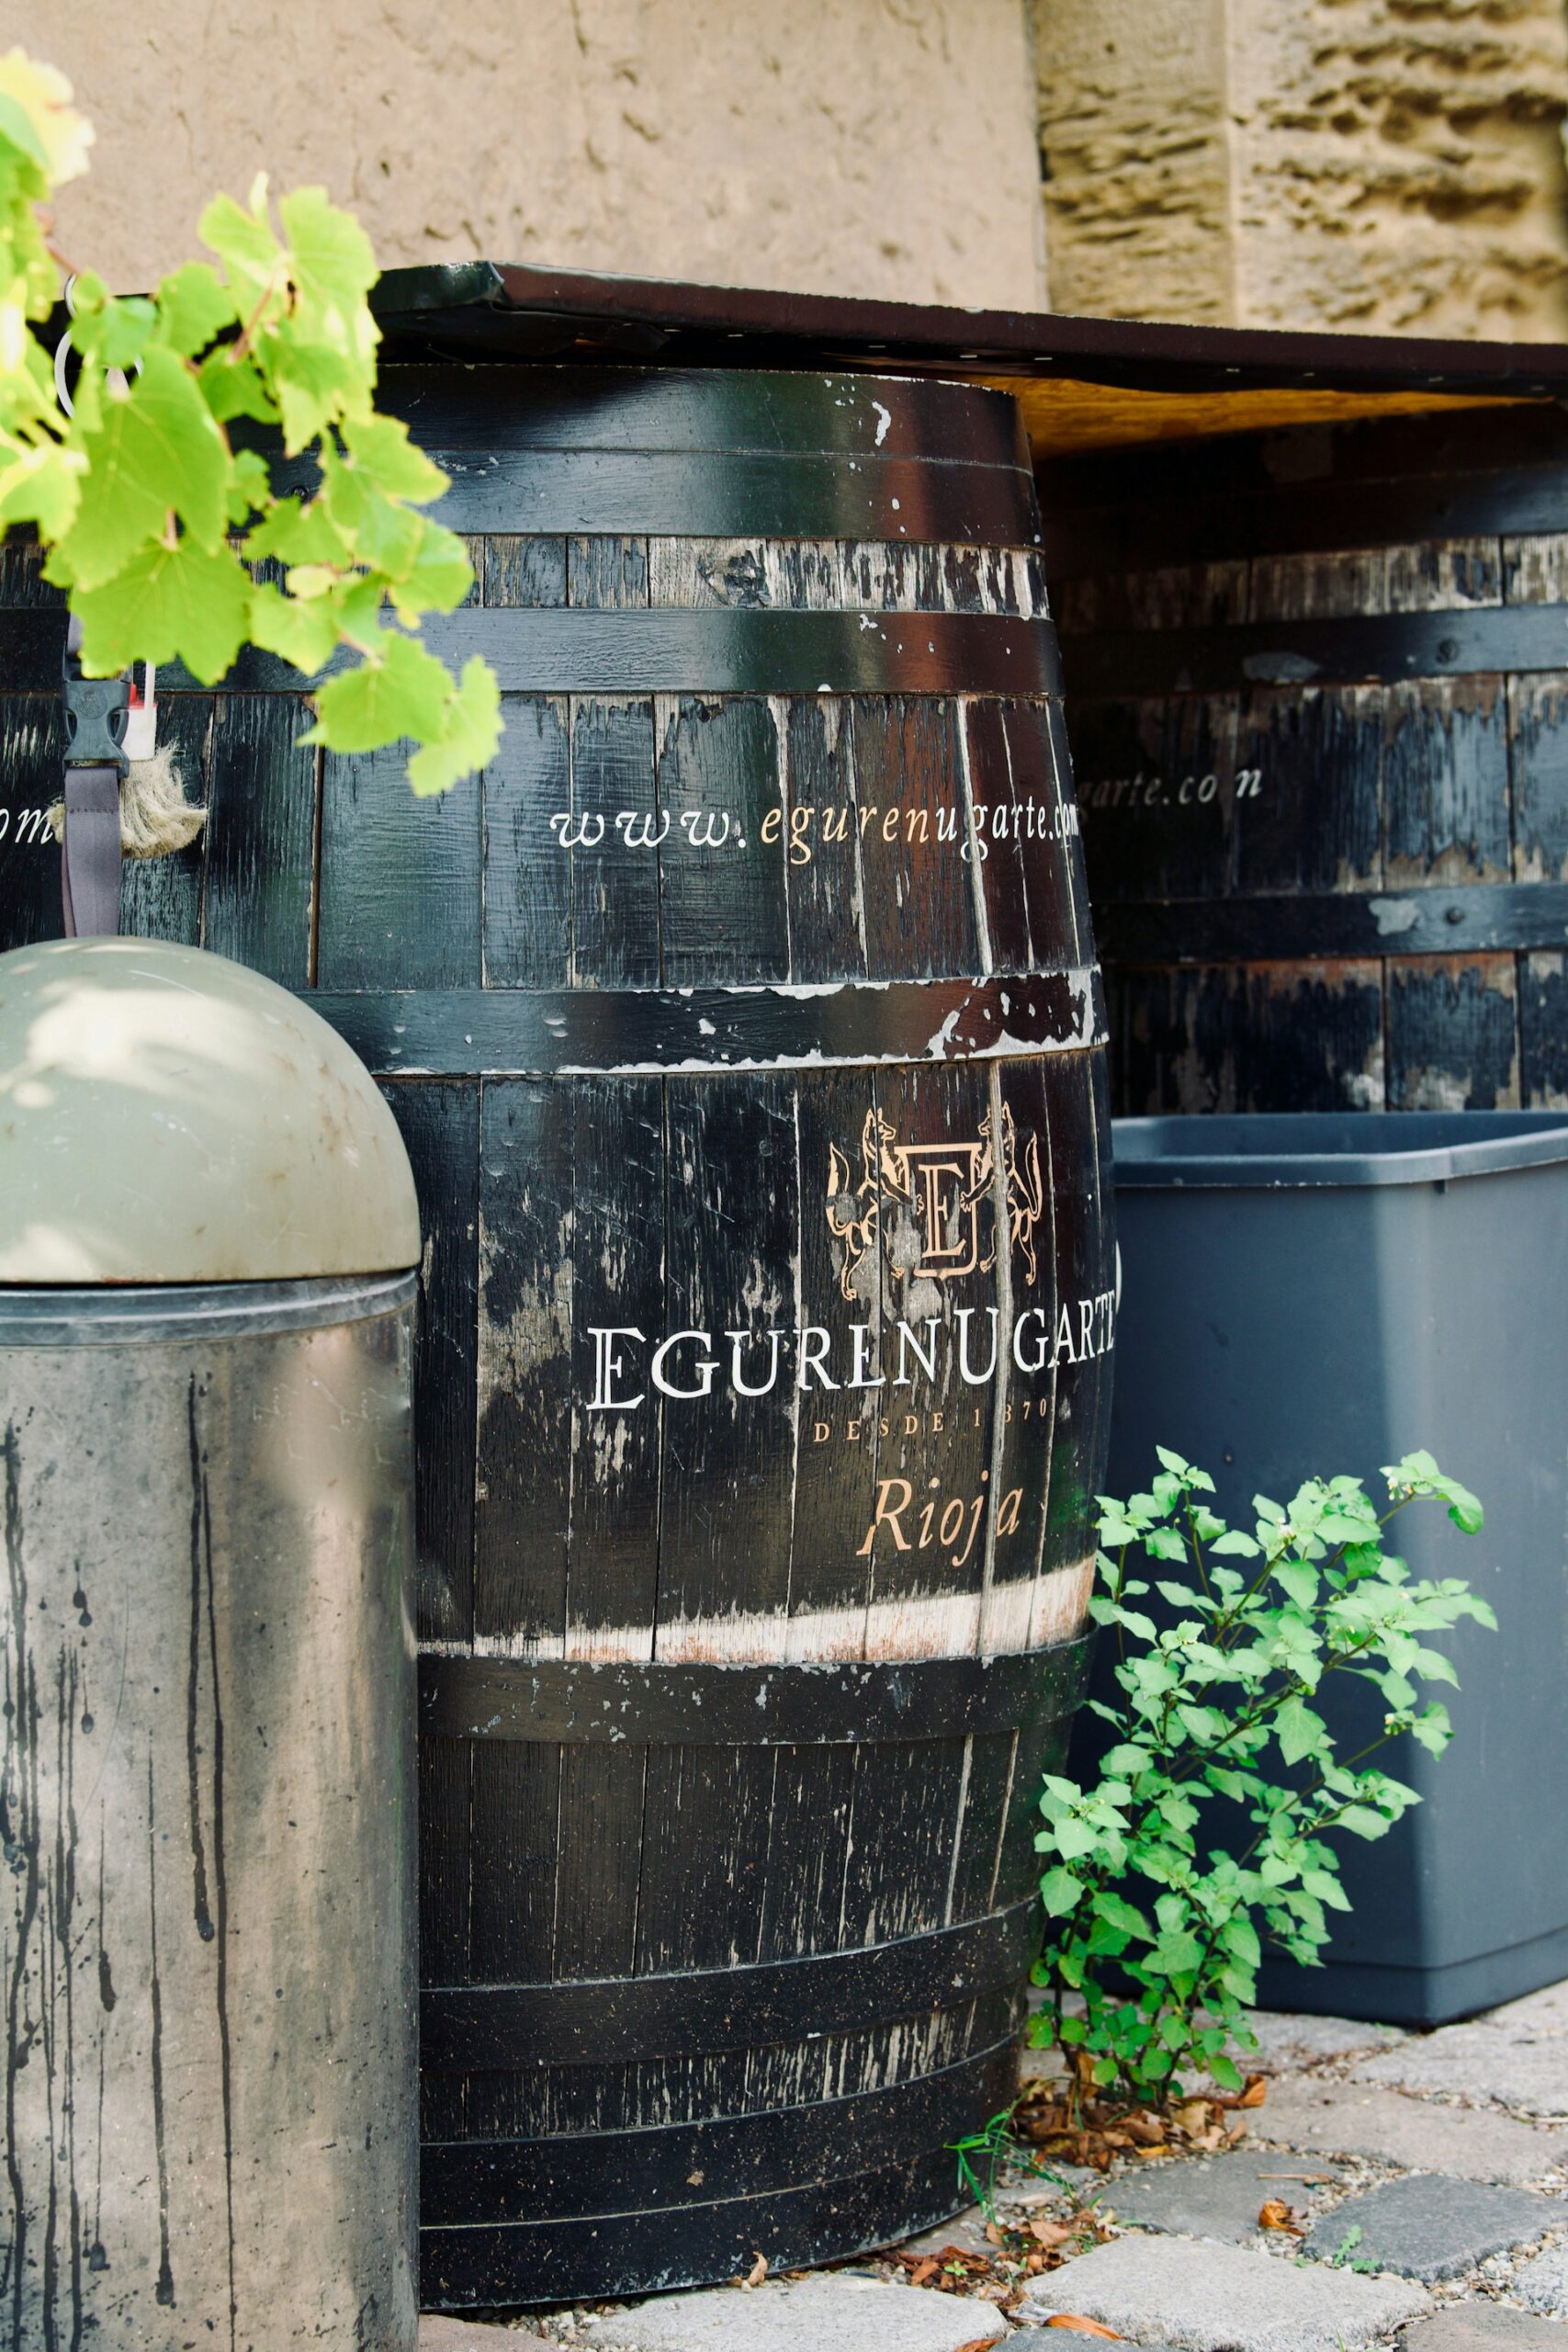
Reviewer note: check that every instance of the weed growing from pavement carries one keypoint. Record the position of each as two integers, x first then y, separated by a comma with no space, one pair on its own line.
1215,1725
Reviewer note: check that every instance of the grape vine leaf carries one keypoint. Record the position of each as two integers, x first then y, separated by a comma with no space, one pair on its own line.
156,447
470,736
187,602
399,689
194,307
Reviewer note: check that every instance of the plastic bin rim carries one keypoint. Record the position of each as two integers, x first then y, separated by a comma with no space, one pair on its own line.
1324,1149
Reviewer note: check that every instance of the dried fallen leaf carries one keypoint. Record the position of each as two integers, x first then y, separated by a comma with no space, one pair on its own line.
757,2272
1051,2232
993,2234
923,2271
1275,2214
979,2344
1082,2326
1255,2091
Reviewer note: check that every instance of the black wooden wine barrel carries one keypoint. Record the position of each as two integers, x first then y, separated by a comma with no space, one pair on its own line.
1318,701
743,1025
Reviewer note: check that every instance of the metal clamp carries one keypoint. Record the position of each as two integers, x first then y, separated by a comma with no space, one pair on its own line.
63,350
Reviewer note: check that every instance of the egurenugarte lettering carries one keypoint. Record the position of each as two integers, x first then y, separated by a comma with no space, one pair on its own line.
684,1364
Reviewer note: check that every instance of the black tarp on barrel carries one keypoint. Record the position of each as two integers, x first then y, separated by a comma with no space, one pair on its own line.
1318,701
743,1025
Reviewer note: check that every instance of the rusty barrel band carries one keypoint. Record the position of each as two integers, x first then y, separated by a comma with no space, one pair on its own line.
1387,482
644,650
468,2029
701,412
662,495
746,1706
649,2168
1430,920
645,2252
485,1032
1373,648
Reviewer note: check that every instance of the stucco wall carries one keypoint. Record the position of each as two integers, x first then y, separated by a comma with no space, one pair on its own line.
1386,165
873,147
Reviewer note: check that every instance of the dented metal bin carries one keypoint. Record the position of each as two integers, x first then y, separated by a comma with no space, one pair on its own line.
206,1928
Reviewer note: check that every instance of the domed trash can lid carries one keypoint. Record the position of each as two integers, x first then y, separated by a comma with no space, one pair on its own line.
169,1116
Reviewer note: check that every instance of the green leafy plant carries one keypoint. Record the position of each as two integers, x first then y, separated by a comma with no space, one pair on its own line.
1216,1739
1345,2257
161,525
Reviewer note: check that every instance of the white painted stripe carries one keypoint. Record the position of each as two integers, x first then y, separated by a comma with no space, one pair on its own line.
1028,1613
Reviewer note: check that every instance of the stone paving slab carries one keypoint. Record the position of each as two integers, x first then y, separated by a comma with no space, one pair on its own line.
1485,2063
1286,2041
1541,2283
827,2314
1542,2012
438,2332
1346,2119
967,2231
1210,2197
1430,2228
1198,2297
1483,2327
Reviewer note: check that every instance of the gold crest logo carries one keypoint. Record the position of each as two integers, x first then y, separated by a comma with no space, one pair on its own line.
944,1185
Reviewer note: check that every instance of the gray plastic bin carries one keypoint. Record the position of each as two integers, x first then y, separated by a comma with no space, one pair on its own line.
1313,1294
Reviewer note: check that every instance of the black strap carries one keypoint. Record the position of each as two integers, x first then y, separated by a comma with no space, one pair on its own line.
98,711
90,853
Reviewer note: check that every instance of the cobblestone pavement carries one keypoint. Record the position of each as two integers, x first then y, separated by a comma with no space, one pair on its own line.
1425,2183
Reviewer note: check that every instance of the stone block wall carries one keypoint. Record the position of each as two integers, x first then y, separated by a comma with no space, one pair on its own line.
1392,165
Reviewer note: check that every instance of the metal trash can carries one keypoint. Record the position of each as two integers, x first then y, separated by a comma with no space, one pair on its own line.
1304,1295
207,1936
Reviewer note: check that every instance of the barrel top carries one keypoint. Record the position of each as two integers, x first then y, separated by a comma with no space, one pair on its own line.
1081,383
169,1116
517,311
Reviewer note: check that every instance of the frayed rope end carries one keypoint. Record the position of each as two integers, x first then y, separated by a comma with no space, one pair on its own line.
155,818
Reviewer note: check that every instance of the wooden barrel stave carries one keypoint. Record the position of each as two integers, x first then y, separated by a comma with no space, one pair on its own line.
519,987
1419,759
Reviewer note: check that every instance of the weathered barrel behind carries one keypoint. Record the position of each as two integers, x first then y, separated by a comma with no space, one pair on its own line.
1318,701
743,1026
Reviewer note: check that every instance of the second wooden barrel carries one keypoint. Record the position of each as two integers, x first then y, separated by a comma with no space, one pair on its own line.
1318,697
743,1025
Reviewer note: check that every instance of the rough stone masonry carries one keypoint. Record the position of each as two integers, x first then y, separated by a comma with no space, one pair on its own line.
1371,164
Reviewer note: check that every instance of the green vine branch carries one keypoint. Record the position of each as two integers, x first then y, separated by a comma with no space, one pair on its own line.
161,521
